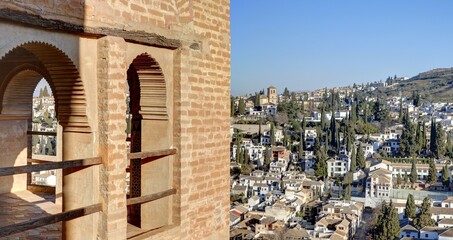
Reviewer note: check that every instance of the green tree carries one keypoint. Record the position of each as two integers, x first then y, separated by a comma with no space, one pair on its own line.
440,141
406,177
272,135
347,192
410,210
419,138
449,147
445,177
257,99
432,173
301,145
321,164
424,217
433,139
267,159
45,92
333,131
241,107
408,145
353,161
413,171
360,157
387,226
323,118
416,98
246,157
286,93
425,142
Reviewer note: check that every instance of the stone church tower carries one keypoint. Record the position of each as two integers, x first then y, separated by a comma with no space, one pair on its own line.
272,94
172,57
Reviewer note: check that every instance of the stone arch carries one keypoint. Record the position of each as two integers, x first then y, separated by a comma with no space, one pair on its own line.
145,73
21,67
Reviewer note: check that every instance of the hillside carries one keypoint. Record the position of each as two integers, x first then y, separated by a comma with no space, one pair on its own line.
433,85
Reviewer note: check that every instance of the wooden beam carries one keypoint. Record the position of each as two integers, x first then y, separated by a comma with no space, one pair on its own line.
150,154
42,133
6,171
43,221
141,37
151,197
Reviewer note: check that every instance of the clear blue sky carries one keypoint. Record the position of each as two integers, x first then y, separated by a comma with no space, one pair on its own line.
306,45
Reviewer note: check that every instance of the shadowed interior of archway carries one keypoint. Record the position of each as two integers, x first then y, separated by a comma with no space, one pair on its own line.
61,73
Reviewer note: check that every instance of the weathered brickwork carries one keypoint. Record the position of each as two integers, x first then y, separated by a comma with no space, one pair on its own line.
200,69
112,148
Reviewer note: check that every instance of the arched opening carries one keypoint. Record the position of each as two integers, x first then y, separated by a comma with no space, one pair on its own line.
29,126
147,117
60,72
44,146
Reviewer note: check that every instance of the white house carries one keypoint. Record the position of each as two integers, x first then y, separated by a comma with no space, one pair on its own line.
337,167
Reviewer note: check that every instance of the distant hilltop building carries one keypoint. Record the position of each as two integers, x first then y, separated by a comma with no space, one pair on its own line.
272,94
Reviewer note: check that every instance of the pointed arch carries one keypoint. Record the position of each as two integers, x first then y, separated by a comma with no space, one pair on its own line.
20,66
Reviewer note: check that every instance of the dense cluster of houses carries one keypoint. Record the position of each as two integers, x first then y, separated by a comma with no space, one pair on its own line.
284,199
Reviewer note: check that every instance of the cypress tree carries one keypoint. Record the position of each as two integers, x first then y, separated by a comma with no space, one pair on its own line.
410,210
400,117
445,177
387,226
394,223
285,138
45,92
240,158
257,99
425,142
353,113
301,145
321,164
433,142
432,174
353,161
241,107
246,157
413,171
318,140
267,159
238,145
406,177
424,218
360,157
347,193
449,148
272,135
323,118
419,139
408,144
333,131
440,141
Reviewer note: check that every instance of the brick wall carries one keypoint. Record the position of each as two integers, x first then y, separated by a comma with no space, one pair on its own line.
201,110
